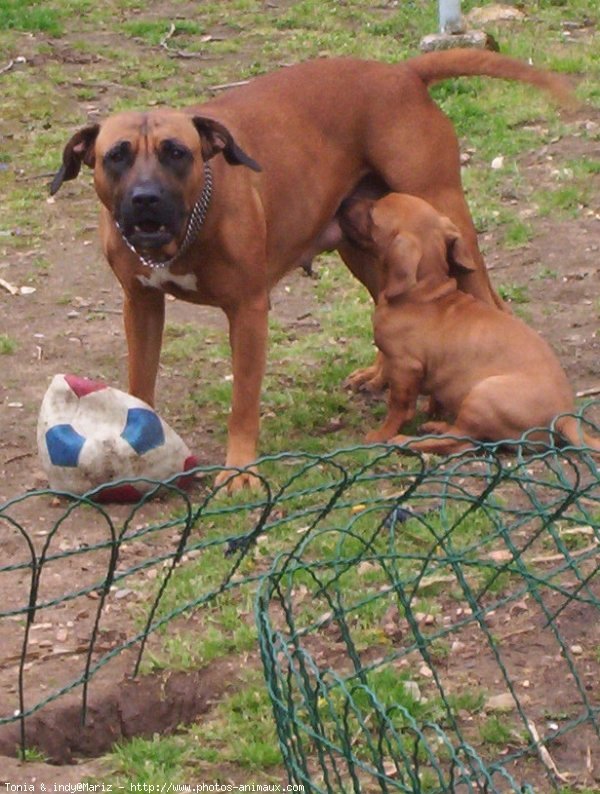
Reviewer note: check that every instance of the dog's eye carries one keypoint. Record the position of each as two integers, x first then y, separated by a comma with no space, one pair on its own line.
119,154
172,150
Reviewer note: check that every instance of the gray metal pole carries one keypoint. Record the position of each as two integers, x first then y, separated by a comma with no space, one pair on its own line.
450,17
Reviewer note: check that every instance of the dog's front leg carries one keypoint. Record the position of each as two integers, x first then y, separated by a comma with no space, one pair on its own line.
402,402
144,316
366,269
248,325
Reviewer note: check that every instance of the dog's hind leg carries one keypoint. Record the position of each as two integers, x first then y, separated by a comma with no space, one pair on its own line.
432,173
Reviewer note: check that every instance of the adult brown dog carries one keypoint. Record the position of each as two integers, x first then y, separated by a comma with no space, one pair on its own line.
483,366
216,203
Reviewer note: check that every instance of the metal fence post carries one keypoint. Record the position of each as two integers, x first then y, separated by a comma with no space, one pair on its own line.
450,17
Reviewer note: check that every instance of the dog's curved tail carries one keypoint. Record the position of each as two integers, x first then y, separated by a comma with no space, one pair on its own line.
460,62
570,430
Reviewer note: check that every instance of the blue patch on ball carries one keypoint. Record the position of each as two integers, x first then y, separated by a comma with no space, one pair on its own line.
143,430
64,445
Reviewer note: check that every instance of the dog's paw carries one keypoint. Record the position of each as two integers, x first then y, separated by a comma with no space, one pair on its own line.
377,437
434,428
231,482
369,379
402,440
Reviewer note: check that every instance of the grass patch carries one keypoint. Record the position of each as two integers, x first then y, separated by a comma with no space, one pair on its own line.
240,730
8,346
155,30
496,731
517,234
32,754
513,293
189,342
33,16
547,273
158,761
470,700
564,201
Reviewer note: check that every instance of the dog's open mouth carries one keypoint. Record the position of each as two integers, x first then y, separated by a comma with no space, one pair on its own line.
149,235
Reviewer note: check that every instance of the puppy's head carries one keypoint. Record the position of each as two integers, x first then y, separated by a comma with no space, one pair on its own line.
411,241
149,170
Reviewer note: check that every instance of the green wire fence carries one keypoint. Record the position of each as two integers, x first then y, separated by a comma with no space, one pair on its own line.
424,624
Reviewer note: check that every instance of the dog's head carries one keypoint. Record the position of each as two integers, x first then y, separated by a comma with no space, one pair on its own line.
149,170
411,241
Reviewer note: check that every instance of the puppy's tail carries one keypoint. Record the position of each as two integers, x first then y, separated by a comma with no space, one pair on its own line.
435,66
570,430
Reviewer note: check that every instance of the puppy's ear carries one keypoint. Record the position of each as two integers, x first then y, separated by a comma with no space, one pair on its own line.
217,138
458,252
80,149
356,221
400,266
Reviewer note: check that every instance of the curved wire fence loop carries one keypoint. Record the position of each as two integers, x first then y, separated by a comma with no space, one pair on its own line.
347,717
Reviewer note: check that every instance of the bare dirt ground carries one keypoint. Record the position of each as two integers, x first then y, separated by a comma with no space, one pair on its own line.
72,322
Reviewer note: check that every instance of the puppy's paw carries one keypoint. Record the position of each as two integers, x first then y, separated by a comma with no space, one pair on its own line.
377,437
406,442
434,428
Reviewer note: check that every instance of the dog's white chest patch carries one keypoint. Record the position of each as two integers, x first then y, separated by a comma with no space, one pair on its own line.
158,279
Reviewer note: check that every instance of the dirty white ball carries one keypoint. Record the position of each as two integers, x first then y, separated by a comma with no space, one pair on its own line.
89,434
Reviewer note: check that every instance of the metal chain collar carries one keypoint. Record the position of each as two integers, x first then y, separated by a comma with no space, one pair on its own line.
195,221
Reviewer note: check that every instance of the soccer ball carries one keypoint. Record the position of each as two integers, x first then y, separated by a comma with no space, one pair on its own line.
89,434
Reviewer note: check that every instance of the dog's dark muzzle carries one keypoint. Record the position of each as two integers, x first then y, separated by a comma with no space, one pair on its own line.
150,217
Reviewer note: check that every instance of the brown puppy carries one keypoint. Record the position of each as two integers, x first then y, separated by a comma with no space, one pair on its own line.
215,204
481,365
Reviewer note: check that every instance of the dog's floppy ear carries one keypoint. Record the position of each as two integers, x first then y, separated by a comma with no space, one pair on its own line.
80,149
458,252
401,264
217,138
356,221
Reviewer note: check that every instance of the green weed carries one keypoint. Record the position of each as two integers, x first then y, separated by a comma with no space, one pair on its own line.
33,16
32,754
495,731
513,293
158,760
547,273
471,700
155,30
566,200
518,234
240,729
8,346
